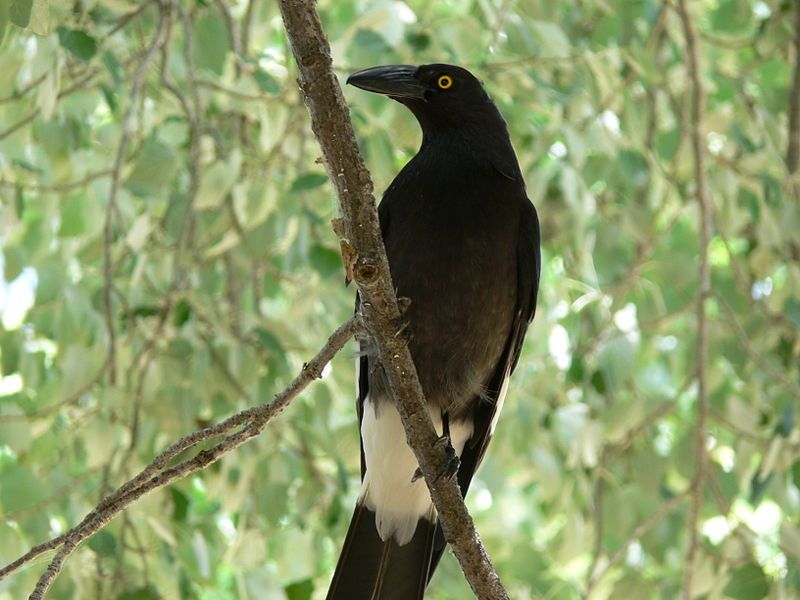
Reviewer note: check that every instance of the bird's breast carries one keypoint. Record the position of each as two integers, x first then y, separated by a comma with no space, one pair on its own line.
451,250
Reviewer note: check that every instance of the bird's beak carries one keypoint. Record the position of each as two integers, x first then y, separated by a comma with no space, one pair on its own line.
397,81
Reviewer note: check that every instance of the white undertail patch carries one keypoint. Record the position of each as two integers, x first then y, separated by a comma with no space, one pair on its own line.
387,488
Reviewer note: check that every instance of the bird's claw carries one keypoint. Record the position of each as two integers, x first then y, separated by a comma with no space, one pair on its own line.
402,322
451,464
403,304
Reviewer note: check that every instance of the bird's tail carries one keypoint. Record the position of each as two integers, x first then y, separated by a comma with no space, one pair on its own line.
371,569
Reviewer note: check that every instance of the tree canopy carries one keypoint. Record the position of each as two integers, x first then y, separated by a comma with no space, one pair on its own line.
167,260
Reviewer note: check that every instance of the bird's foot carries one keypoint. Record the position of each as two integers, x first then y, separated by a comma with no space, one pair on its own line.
403,304
402,322
451,464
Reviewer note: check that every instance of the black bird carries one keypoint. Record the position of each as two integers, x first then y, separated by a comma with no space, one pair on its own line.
462,240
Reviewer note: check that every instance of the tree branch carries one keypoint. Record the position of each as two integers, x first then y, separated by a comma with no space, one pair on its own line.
248,424
704,283
361,236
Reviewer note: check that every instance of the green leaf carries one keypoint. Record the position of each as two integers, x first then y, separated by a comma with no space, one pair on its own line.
103,543
181,313
143,593
667,144
154,169
370,42
180,504
79,365
144,310
114,68
277,353
325,260
78,43
598,382
300,590
266,82
110,97
210,43
72,215
616,360
40,17
20,489
5,8
308,181
748,583
10,349
419,40
791,309
577,369
20,12
551,38
217,181
731,16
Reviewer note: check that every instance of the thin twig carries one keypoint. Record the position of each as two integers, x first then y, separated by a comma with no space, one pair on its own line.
19,124
57,187
251,97
704,283
123,21
246,23
636,534
776,375
116,175
250,423
192,112
50,409
32,84
233,28
611,453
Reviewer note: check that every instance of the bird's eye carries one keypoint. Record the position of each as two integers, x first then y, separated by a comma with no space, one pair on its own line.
445,82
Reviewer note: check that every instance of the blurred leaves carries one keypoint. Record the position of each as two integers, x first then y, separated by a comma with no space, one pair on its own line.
224,276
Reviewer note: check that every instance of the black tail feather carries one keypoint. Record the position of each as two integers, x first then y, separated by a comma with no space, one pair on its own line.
371,569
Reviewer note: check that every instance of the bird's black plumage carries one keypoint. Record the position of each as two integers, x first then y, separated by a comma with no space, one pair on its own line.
462,240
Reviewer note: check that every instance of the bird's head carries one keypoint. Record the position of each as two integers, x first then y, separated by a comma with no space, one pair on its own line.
439,95
452,108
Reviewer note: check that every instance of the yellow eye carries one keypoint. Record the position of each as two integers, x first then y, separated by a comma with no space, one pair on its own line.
445,82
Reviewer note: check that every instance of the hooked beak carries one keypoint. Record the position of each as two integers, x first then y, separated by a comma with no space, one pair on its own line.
396,81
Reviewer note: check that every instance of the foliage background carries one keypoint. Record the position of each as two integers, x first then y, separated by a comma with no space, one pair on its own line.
167,259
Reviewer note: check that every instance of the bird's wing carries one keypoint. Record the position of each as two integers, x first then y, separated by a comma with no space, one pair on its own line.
487,411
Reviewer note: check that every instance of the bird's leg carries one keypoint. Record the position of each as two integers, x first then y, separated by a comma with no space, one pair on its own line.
452,462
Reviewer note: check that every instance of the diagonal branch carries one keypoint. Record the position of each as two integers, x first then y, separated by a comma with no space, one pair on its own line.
330,121
247,423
